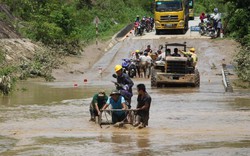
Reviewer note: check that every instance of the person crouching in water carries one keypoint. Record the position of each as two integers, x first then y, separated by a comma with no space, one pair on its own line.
143,107
117,102
98,101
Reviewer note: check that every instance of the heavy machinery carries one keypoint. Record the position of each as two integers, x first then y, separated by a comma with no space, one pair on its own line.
171,15
174,71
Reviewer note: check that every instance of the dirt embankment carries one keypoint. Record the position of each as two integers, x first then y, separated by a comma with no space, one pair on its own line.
7,29
12,45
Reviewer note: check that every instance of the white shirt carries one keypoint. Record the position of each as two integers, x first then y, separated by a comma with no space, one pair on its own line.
216,16
144,58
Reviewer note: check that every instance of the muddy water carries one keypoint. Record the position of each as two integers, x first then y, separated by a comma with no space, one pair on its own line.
52,118
183,122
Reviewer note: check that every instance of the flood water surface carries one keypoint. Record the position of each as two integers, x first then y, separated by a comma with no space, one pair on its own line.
183,121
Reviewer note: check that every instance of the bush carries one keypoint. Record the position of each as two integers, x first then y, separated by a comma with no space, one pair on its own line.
243,65
6,75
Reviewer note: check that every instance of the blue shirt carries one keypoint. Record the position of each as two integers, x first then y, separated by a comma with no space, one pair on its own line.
116,104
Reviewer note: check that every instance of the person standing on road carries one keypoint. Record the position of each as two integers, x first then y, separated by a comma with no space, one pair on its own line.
117,102
98,101
216,17
143,106
135,57
145,64
219,28
124,79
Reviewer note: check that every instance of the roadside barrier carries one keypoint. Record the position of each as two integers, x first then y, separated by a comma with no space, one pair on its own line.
75,85
125,31
225,79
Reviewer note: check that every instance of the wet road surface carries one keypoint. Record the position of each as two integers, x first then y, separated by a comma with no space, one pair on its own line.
52,118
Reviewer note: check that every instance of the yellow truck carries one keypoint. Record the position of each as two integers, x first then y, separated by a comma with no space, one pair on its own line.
171,15
191,9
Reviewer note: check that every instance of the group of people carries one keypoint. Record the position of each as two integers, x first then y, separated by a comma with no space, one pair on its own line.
191,55
143,61
213,19
121,98
145,23
118,100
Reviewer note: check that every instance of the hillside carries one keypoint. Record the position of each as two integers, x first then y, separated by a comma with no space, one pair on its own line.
7,30
12,45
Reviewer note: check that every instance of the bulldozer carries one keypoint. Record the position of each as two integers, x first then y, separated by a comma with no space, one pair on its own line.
174,71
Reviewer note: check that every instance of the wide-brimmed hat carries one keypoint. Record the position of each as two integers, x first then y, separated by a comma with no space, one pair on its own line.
115,92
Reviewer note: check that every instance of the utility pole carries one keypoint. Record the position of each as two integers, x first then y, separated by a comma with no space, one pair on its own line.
96,22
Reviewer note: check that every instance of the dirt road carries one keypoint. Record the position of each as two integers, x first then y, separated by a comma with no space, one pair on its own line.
52,119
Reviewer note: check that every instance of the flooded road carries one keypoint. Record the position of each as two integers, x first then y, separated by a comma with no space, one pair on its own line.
52,118
182,122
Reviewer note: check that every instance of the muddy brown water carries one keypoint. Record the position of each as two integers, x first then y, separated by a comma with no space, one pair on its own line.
52,118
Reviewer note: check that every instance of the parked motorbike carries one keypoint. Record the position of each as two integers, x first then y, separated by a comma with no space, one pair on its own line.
207,29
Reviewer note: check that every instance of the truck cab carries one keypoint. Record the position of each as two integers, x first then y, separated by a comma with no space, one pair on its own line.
171,15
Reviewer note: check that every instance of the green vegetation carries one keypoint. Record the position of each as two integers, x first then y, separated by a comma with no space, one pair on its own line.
69,24
237,25
236,15
6,72
41,66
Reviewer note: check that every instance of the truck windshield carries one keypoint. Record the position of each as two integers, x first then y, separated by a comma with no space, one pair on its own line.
191,4
167,6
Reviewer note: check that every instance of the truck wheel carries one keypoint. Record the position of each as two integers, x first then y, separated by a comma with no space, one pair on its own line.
197,78
157,32
153,79
183,31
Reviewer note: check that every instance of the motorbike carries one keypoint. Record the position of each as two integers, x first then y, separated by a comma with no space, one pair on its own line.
136,25
132,69
125,65
139,28
124,90
129,67
207,28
